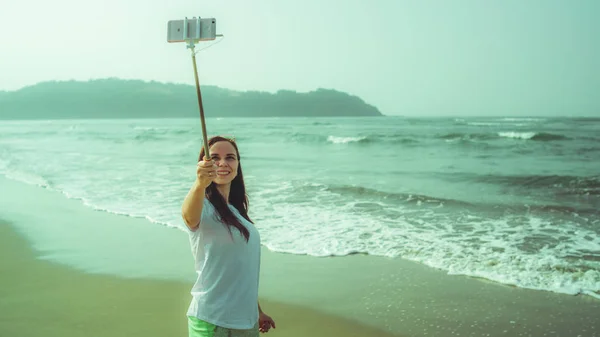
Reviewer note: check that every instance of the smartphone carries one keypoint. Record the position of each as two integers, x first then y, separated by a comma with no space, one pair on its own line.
195,29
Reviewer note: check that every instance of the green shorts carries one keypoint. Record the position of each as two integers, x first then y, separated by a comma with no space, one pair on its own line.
200,328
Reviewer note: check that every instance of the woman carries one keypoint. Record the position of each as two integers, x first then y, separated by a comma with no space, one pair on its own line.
226,248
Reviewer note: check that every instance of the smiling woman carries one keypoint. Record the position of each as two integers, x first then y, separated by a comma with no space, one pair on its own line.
224,180
226,248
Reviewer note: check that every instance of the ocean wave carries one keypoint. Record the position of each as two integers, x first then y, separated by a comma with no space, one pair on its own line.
350,140
346,140
585,119
544,181
36,180
518,135
586,150
535,136
541,136
483,124
407,198
522,119
420,200
560,209
558,186
466,136
513,245
500,121
503,124
452,137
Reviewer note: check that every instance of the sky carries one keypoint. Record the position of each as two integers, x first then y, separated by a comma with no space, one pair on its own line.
406,57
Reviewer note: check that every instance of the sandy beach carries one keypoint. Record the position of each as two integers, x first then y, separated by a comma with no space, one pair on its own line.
68,270
41,298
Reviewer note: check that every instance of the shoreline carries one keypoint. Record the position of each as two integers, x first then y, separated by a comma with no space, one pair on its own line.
375,295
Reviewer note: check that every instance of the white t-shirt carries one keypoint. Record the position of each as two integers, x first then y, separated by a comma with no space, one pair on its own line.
226,290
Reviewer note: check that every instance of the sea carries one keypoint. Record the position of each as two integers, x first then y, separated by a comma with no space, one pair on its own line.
511,200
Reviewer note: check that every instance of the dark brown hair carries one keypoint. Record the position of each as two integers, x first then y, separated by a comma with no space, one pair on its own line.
237,194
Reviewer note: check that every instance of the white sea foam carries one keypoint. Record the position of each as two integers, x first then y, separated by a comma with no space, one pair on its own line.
517,135
484,124
26,177
344,140
496,124
524,119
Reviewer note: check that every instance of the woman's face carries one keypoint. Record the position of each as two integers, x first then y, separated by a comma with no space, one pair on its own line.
224,156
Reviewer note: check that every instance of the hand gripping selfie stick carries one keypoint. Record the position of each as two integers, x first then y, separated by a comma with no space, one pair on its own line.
193,31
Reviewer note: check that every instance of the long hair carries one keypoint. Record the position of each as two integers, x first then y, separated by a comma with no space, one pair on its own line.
237,194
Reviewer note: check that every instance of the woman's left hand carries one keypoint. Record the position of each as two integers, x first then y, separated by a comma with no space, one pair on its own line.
265,322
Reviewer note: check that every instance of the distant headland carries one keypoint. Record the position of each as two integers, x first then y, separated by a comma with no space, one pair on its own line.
118,98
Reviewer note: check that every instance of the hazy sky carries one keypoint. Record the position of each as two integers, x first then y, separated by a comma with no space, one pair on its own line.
509,57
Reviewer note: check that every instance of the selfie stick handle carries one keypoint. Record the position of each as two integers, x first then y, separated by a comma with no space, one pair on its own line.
204,136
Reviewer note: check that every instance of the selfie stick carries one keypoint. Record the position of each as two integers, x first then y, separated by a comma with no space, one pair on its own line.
199,94
191,40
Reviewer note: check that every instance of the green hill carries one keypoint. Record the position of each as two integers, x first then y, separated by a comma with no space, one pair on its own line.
116,98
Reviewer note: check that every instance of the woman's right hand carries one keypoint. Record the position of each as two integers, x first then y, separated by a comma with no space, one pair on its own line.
206,172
